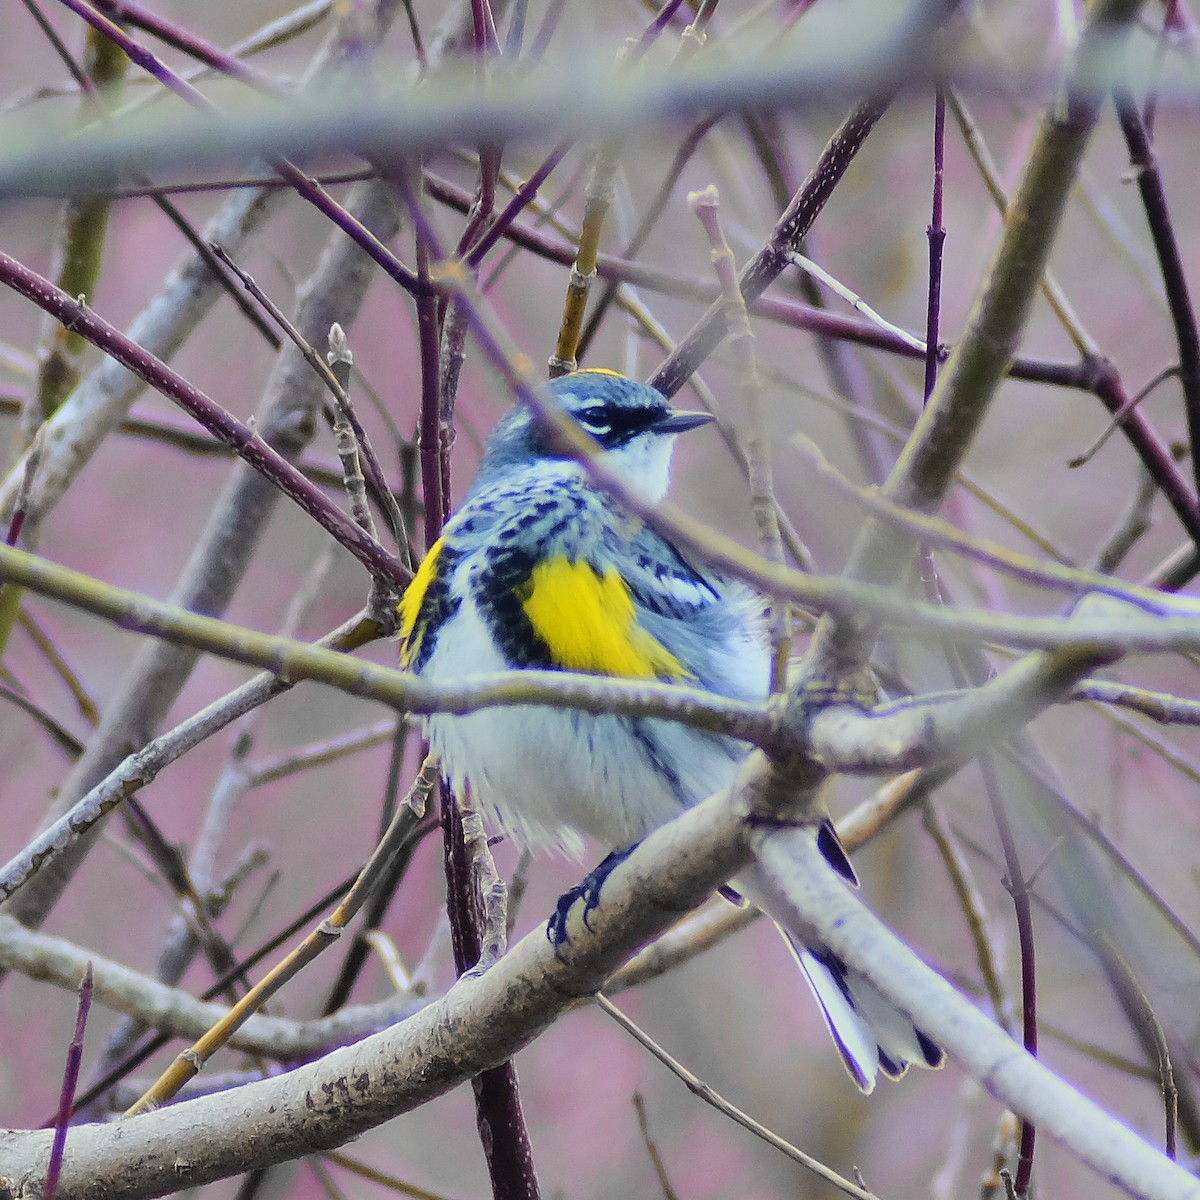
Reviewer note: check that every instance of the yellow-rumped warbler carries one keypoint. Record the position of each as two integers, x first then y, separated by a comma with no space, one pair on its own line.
539,569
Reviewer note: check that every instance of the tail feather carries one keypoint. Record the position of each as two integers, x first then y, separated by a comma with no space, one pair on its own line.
830,846
871,1034
859,1050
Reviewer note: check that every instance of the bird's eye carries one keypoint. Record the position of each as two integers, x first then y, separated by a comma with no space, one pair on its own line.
595,419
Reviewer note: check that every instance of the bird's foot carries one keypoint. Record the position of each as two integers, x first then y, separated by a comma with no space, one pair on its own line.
588,891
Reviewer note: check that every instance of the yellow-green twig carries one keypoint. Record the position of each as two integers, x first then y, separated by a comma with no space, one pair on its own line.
189,1062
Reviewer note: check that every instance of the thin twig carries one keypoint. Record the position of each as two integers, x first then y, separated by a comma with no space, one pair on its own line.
971,903
1018,888
218,421
189,1062
1166,246
70,1082
660,1167
709,1095
758,458
1166,1073
937,239
340,360
296,178
1132,526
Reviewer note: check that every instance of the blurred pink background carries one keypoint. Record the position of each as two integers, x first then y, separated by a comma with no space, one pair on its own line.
738,1016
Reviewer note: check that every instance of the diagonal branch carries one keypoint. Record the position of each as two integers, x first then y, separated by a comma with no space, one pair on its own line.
476,1025
819,904
947,426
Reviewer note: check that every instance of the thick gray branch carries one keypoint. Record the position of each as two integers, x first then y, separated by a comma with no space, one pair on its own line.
479,1024
818,903
950,727
156,675
62,963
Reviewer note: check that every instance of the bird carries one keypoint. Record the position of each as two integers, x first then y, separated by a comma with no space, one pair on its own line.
540,569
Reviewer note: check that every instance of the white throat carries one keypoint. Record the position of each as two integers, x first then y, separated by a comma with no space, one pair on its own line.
645,465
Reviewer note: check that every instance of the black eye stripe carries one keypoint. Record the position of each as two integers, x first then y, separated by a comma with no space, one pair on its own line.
613,425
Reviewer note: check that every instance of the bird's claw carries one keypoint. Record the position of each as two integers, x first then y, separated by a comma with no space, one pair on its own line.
589,892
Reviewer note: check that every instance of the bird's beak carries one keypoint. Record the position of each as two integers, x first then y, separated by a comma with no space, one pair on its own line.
678,421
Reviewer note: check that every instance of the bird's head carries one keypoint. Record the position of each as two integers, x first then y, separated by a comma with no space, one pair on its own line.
634,425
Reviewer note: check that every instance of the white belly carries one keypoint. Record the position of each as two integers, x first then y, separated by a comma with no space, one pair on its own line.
551,775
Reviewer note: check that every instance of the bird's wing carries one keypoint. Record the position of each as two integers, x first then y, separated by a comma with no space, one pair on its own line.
712,622
549,583
426,605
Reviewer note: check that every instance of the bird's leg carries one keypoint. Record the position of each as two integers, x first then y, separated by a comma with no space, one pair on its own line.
588,891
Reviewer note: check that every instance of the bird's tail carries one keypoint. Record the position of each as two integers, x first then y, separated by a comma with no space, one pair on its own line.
871,1033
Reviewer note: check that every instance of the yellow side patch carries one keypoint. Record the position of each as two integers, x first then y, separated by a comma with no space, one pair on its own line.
600,371
587,622
410,603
